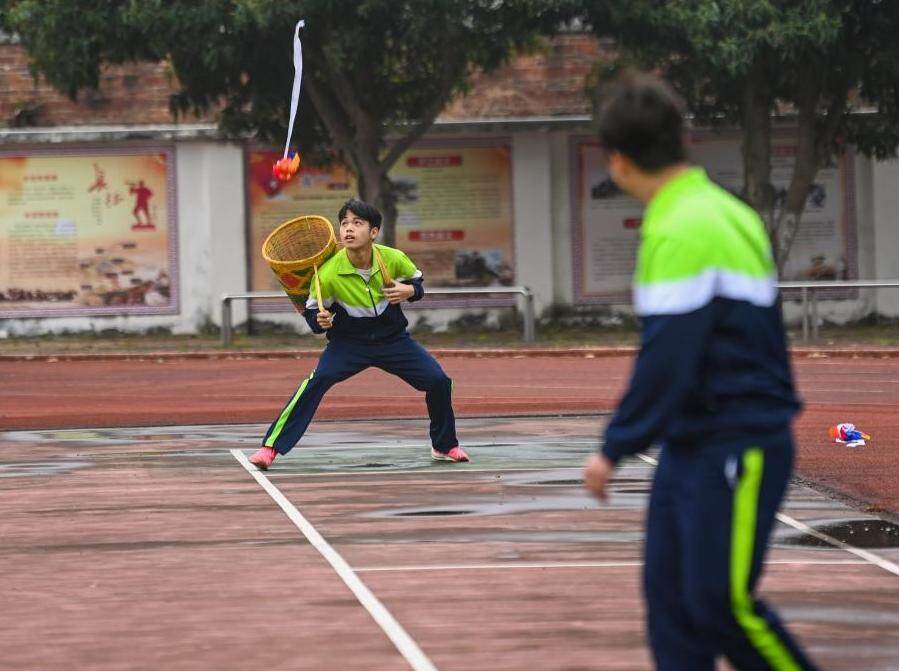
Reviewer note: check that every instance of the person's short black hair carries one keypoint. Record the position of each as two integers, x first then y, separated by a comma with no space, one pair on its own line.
361,209
642,117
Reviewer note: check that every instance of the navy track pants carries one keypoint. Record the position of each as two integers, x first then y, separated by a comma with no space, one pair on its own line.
711,512
401,356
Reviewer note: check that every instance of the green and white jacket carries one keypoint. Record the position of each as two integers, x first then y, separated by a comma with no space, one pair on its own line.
713,358
361,311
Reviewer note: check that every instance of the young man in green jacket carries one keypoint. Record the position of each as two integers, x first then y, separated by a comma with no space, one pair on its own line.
713,384
365,326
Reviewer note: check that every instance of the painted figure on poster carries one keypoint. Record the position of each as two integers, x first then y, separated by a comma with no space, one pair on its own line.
142,197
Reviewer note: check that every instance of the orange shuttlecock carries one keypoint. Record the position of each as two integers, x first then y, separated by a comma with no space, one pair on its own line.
286,167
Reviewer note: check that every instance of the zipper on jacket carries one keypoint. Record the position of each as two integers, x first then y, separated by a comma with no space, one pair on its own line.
370,297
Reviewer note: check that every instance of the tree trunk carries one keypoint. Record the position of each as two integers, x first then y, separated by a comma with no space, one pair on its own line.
376,188
757,188
805,168
386,202
804,171
787,227
360,136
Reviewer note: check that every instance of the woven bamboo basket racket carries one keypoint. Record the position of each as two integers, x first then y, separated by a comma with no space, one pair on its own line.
295,250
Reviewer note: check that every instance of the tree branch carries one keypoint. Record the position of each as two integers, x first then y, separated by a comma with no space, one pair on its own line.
340,132
805,166
425,122
834,116
366,132
419,129
756,103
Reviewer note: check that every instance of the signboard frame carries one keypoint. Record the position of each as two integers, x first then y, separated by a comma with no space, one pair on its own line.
173,306
461,142
848,217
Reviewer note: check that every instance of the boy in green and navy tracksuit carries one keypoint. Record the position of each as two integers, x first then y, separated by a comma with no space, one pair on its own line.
365,326
713,384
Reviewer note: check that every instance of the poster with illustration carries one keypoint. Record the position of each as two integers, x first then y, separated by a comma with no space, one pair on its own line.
455,212
319,191
607,227
454,209
87,233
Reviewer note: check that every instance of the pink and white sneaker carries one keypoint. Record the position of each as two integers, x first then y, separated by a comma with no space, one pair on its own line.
455,454
263,458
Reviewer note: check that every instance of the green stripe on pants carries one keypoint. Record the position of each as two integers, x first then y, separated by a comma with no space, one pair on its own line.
282,420
742,545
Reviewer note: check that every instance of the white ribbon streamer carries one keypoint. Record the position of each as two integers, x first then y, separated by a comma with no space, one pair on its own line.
297,78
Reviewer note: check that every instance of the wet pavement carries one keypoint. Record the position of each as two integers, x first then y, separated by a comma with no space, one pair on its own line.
509,545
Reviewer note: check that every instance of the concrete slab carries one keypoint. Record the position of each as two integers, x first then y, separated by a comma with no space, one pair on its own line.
146,547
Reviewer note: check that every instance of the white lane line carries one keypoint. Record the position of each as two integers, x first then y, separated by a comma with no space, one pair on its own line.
404,643
565,565
533,442
440,470
877,560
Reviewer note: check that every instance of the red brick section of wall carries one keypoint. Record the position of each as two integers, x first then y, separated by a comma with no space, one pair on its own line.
135,93
549,82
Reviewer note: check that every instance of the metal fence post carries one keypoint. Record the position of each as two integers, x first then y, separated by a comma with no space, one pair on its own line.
226,321
529,319
804,314
814,314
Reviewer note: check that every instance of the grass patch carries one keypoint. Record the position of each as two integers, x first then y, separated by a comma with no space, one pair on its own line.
558,331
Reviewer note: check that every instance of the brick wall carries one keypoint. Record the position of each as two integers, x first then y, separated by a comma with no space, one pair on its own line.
549,82
128,94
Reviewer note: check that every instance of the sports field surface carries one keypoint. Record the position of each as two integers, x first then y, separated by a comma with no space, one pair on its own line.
136,535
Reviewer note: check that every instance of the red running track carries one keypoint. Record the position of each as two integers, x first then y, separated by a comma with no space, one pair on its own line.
165,391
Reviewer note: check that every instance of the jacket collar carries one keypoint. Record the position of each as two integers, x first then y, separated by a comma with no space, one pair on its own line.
692,179
345,266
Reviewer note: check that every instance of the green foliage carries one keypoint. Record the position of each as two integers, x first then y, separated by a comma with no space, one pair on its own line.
380,64
376,72
737,62
709,48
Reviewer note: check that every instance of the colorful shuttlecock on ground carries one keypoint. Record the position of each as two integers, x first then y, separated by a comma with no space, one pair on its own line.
847,434
285,168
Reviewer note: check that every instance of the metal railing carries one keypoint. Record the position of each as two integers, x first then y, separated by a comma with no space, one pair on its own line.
530,322
810,297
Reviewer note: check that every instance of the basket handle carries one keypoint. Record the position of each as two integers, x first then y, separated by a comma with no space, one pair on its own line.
318,288
385,274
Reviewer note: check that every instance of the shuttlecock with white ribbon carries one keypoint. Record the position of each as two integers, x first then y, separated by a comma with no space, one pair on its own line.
287,166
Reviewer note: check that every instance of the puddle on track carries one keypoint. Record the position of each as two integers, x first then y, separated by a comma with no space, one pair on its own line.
861,533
